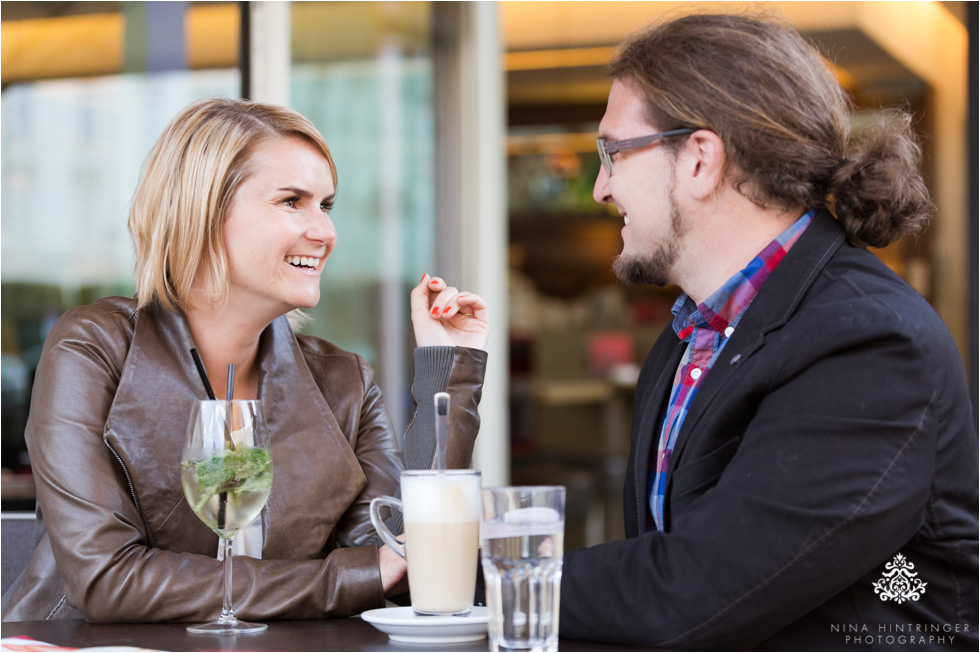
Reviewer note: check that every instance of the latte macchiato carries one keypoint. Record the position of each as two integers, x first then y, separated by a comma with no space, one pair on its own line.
441,513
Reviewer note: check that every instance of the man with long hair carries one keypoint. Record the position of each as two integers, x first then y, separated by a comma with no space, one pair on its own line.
803,467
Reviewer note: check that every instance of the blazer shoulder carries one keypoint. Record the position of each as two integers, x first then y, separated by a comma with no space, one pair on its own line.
858,287
318,348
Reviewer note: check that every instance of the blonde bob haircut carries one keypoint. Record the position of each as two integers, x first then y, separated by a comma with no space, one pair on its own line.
188,180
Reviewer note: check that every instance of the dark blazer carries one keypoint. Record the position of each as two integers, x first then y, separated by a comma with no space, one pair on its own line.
834,432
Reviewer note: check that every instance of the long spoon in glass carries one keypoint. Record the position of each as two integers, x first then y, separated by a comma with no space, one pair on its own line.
441,400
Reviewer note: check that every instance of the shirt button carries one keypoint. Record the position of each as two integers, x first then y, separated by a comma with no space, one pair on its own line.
729,331
696,373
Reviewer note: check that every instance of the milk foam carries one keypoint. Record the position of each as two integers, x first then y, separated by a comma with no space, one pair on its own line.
441,498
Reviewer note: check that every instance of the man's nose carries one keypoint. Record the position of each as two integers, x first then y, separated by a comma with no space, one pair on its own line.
601,192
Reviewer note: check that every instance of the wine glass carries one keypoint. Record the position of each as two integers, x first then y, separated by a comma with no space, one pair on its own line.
226,473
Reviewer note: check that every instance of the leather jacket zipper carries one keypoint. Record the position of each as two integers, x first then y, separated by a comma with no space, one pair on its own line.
129,482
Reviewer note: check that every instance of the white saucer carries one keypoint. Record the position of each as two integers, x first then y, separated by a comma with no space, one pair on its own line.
403,625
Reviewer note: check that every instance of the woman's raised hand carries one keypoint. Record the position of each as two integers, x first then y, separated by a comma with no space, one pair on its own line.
443,316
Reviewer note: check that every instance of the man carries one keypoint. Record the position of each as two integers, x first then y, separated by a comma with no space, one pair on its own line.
803,471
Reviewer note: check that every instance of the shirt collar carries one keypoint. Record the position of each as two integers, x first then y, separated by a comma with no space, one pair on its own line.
725,306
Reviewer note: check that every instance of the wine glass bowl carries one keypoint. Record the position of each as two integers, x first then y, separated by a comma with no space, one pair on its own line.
226,475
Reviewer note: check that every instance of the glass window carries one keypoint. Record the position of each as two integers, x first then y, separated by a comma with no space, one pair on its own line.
87,88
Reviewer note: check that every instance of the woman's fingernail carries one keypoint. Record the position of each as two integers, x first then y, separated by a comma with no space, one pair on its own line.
435,310
423,278
447,309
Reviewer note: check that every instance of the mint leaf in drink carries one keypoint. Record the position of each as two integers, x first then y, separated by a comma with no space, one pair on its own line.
243,468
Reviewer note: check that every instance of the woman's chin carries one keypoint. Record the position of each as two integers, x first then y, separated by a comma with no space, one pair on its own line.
307,303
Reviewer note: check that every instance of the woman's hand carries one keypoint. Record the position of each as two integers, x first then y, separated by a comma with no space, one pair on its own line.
393,570
443,316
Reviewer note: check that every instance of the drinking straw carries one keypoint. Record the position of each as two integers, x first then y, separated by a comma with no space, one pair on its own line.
229,396
223,497
231,381
202,372
441,400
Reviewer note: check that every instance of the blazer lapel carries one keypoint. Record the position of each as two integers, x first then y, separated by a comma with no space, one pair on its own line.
772,307
652,391
316,475
147,424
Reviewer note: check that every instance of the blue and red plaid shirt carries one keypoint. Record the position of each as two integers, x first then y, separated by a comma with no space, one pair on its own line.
706,327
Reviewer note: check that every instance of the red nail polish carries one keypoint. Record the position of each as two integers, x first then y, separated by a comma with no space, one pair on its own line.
423,278
447,309
435,310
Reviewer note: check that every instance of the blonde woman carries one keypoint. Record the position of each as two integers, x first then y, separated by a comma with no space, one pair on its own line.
231,226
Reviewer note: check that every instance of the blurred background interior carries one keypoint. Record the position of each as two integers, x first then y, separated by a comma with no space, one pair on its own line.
464,135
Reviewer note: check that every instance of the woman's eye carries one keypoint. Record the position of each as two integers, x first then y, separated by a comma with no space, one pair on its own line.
291,202
326,207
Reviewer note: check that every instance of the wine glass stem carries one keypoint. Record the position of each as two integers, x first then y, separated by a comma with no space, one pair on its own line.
226,608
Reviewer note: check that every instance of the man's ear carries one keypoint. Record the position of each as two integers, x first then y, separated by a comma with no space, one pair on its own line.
703,159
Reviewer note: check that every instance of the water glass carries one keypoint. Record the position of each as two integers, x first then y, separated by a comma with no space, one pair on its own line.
522,534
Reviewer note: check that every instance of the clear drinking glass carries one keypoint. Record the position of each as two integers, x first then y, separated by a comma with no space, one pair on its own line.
522,534
226,473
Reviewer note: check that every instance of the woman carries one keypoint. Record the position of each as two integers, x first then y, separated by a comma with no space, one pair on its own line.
231,228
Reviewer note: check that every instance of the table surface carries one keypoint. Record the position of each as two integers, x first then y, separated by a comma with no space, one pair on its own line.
324,635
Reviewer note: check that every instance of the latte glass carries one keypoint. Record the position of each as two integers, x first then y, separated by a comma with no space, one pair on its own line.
441,512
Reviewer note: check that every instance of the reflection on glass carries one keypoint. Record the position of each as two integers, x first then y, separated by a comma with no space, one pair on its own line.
369,90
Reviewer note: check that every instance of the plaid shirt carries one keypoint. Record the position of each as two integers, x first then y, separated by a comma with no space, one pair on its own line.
706,327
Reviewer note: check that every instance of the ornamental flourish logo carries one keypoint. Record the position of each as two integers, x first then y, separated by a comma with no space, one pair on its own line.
899,582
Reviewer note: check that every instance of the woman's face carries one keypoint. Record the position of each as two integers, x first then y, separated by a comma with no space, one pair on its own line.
277,230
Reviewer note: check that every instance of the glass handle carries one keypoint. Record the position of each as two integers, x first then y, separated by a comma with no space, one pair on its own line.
381,528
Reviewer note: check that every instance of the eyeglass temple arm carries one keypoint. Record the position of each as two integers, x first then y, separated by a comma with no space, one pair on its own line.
633,143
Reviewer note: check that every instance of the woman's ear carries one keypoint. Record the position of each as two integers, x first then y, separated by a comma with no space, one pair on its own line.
703,157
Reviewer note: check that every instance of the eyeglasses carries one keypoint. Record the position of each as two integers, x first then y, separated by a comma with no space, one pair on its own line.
608,148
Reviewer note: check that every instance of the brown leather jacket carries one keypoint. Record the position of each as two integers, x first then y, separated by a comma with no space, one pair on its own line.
107,425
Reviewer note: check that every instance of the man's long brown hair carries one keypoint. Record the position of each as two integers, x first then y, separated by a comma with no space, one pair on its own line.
783,118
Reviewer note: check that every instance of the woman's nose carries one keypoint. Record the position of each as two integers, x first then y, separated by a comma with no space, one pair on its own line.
321,230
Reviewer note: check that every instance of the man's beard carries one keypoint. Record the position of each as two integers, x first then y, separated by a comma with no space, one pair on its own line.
654,267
